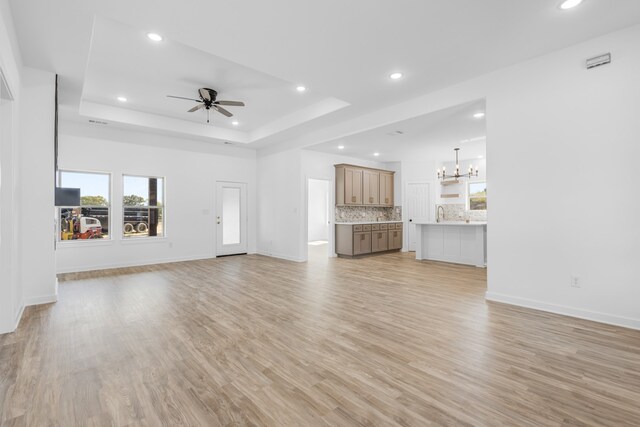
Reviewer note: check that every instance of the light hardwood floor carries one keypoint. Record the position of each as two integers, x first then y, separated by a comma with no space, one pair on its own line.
252,340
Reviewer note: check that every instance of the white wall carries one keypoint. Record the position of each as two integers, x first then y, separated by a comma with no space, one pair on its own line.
555,132
11,289
280,202
318,210
559,136
190,207
37,181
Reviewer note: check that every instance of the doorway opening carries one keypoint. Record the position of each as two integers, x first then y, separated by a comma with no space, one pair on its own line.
318,219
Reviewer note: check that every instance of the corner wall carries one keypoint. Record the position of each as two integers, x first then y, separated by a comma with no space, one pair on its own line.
36,187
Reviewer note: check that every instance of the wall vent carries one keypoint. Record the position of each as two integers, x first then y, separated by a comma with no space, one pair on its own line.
599,60
98,122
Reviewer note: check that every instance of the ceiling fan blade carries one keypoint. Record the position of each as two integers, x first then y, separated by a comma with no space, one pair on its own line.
182,97
204,93
230,103
222,110
196,108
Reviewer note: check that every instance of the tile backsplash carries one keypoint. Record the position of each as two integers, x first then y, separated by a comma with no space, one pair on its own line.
458,212
367,213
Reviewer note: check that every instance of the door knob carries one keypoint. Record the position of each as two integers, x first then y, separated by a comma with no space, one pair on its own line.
410,220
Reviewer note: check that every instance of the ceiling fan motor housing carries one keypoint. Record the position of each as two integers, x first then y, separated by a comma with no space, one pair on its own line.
212,94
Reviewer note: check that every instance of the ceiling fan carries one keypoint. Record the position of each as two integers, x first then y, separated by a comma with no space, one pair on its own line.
208,101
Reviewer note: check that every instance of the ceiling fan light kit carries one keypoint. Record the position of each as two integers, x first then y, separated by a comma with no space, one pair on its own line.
208,101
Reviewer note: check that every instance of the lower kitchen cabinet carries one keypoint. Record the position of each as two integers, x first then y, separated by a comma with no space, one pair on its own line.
379,241
395,237
362,243
361,239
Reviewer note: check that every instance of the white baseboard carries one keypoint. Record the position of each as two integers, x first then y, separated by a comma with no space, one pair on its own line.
43,299
134,263
281,256
595,316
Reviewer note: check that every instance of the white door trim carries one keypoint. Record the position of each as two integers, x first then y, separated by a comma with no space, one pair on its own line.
242,247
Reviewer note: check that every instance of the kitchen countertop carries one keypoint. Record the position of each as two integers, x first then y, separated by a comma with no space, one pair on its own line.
470,223
367,222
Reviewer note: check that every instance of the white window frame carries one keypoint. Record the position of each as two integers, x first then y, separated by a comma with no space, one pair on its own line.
130,239
109,209
468,199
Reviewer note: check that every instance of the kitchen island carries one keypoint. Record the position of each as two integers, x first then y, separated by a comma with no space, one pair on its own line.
452,241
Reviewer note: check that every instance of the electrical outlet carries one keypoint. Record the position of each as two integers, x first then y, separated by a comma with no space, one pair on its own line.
576,282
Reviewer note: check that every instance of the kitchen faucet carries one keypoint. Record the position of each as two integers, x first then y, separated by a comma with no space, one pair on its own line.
438,213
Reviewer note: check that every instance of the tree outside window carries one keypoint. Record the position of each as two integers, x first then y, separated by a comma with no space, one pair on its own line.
90,220
143,206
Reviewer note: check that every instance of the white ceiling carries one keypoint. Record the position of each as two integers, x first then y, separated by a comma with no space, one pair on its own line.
437,133
343,51
124,62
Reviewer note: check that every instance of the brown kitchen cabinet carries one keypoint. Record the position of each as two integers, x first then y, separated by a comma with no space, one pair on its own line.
395,237
349,185
362,239
370,187
386,189
360,186
379,241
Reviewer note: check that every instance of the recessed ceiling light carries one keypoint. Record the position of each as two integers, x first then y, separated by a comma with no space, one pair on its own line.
340,147
235,123
301,88
376,154
155,37
395,76
568,4
122,99
479,115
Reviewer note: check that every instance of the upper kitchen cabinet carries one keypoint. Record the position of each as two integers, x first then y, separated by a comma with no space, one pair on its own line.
386,188
360,186
348,185
371,187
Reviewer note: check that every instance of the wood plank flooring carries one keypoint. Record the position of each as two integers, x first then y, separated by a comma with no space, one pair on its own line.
252,340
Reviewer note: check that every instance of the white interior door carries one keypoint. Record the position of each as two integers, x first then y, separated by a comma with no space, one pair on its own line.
231,218
417,199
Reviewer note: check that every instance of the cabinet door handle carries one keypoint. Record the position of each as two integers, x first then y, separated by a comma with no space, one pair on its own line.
353,199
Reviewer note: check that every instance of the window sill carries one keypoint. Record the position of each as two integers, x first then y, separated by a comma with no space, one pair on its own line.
82,243
142,240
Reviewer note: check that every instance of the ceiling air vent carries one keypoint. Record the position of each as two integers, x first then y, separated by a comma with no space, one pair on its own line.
98,122
396,133
598,61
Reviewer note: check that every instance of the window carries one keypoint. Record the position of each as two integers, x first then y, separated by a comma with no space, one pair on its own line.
90,220
143,203
477,195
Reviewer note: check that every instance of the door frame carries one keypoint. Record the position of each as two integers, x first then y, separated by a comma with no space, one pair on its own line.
331,215
406,242
244,223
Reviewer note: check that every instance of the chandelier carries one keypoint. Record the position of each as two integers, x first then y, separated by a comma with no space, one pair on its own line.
470,173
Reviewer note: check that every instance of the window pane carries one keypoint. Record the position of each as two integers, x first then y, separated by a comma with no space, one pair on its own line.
477,189
478,204
230,216
143,203
91,219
